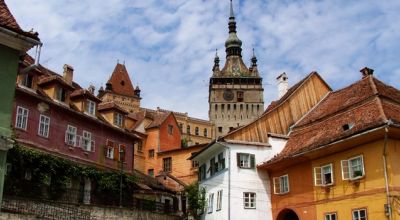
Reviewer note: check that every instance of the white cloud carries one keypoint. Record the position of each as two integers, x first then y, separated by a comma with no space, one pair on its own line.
168,46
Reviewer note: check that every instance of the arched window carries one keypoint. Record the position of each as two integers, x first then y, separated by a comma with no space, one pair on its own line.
205,132
196,130
188,129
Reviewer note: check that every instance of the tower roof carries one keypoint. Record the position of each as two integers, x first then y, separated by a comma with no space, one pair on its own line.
120,81
233,44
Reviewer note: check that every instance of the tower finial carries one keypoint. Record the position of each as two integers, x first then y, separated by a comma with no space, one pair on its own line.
232,15
254,59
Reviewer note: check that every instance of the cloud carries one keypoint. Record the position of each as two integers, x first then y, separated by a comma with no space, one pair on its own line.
169,46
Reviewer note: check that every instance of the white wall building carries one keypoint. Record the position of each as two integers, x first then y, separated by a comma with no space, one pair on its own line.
235,190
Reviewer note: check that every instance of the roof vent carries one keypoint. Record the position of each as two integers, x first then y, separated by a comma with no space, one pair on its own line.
347,126
366,72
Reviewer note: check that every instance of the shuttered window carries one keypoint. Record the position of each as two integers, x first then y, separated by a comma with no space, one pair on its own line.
245,160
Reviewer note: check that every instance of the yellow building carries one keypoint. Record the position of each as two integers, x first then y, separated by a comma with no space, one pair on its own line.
351,141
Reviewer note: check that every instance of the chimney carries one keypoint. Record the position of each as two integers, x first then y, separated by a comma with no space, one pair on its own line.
91,89
68,73
366,72
283,84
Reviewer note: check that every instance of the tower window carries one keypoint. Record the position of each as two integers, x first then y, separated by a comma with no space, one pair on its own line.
229,107
222,107
196,130
234,106
220,129
216,107
240,96
188,129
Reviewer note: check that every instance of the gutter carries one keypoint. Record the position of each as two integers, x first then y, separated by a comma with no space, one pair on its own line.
37,58
389,208
229,178
20,36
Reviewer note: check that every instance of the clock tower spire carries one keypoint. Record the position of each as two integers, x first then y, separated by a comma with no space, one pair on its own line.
235,91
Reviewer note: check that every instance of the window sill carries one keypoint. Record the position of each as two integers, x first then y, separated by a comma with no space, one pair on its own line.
249,207
43,136
21,129
282,194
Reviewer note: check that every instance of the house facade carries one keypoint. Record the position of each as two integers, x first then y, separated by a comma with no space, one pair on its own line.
13,42
341,157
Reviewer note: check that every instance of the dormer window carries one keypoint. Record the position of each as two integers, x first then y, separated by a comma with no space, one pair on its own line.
118,119
27,81
61,94
90,107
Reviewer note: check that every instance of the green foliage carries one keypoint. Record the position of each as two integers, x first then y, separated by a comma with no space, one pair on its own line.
184,143
196,199
53,173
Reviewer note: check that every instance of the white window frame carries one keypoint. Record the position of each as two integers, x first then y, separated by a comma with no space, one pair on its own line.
119,119
21,118
244,160
90,107
219,200
328,216
281,184
249,200
210,203
70,136
358,211
44,126
110,152
319,175
87,142
348,170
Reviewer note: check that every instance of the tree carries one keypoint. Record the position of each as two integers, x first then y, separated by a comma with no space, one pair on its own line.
196,199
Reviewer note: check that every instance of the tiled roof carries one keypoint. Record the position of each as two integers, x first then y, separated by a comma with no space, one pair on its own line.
8,21
120,81
110,105
158,118
47,79
362,106
83,92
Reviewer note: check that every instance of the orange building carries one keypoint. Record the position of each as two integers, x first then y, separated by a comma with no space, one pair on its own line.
340,161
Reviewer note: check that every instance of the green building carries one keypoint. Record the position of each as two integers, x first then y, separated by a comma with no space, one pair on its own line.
13,43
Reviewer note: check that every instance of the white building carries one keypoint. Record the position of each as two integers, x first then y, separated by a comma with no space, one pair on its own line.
234,187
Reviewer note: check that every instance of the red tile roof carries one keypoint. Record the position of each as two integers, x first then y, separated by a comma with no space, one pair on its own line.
8,21
83,92
364,105
110,105
120,81
158,118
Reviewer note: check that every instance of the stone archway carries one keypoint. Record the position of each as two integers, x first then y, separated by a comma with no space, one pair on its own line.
287,214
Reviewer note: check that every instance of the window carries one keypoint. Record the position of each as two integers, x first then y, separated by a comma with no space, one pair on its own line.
90,107
330,216
360,214
70,136
219,200
170,129
219,129
205,132
122,153
196,130
202,172
87,143
195,163
323,176
249,200
21,120
110,152
27,81
151,153
61,94
167,164
212,166
221,162
210,203
139,146
44,126
118,119
150,172
353,168
188,129
245,160
240,96
281,184
181,127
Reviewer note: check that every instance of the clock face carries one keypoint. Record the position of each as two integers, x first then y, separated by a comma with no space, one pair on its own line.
228,95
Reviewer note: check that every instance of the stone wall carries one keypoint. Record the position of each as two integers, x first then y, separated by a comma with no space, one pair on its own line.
108,213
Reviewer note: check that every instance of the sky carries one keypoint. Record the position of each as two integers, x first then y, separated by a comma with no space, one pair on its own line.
168,47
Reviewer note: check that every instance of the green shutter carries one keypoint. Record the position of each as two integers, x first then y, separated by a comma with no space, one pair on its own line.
238,159
252,161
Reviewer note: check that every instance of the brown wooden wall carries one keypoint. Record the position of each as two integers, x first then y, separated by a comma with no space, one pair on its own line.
289,110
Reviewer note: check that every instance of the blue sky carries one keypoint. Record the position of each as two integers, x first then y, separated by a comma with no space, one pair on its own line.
168,46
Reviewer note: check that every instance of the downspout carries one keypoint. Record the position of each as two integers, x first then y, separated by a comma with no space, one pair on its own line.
37,58
389,208
229,179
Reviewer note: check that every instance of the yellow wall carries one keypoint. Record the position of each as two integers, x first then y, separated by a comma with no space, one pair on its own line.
368,192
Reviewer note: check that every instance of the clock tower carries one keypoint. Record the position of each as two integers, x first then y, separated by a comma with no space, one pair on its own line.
235,91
